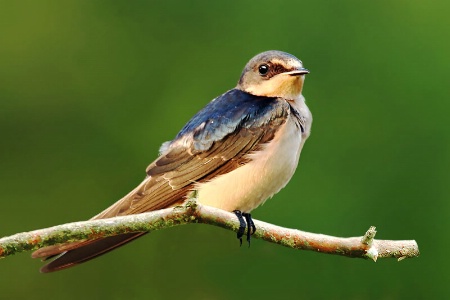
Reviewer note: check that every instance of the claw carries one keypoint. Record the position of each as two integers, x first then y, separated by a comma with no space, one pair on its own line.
242,225
251,228
247,223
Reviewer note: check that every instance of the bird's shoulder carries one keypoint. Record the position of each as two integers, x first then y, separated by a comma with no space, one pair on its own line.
228,113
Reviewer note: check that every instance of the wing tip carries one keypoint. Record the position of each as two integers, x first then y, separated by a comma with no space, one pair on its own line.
54,266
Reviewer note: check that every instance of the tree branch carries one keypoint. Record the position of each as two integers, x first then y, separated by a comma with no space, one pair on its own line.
193,212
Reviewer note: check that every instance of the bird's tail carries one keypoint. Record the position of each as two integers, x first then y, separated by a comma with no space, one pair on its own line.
69,255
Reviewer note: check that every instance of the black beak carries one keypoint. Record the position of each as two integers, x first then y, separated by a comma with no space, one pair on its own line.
298,72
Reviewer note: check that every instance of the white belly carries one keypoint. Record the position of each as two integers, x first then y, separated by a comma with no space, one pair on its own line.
268,172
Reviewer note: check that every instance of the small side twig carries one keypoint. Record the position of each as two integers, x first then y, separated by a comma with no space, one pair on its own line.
193,212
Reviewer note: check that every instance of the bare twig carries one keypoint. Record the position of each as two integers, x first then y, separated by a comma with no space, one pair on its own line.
193,212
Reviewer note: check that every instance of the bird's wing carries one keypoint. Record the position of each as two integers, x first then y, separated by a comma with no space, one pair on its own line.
214,142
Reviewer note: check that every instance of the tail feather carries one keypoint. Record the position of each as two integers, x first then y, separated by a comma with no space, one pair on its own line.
87,251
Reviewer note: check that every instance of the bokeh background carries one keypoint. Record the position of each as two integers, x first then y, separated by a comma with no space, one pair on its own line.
90,89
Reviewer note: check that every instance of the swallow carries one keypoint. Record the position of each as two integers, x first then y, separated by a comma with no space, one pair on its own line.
234,154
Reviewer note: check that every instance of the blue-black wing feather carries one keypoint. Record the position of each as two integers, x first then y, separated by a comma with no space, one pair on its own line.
228,112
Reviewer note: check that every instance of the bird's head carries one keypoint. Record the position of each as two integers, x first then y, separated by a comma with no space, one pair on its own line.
273,74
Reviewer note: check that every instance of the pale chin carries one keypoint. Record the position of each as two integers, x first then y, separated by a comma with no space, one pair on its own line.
287,87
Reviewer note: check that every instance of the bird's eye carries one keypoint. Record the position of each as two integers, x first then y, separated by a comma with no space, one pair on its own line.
263,69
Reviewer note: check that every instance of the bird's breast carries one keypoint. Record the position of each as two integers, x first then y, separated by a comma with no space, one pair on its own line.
267,172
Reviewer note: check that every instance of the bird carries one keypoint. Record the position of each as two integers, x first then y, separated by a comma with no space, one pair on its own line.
234,154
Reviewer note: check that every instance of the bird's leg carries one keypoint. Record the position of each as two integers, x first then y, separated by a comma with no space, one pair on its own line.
242,224
251,228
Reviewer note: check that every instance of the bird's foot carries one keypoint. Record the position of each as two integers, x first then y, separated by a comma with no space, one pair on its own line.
247,223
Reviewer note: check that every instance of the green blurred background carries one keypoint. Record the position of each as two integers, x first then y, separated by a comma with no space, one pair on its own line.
90,89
